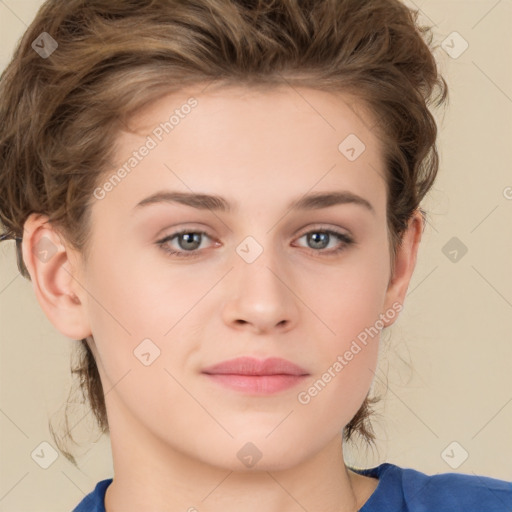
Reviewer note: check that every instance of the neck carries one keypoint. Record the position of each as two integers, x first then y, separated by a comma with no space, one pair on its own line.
152,476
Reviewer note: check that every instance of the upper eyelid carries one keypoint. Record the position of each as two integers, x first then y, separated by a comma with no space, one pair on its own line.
337,230
299,233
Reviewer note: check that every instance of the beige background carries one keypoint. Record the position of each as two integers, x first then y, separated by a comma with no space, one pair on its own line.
448,361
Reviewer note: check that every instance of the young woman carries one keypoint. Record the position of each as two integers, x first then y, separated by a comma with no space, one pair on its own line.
221,201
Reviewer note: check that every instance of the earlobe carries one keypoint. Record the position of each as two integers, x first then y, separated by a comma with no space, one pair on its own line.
57,290
405,262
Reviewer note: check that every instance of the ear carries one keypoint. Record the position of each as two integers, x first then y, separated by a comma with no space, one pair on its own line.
57,289
405,261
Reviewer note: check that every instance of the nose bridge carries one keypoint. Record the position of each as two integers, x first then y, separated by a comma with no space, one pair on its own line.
258,265
259,295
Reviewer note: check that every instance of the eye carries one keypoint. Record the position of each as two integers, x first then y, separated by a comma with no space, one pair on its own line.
320,239
188,243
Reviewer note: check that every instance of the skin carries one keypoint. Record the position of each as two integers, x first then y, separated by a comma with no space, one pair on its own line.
175,434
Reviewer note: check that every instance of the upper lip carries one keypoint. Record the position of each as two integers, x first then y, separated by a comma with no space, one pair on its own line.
257,367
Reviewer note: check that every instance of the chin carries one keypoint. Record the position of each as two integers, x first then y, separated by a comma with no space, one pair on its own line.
256,453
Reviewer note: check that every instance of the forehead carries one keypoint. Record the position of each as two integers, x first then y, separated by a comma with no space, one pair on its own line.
247,144
273,108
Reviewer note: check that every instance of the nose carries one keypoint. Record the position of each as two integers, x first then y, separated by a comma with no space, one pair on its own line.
260,296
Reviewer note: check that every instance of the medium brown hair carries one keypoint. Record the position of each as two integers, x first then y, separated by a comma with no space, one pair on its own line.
60,115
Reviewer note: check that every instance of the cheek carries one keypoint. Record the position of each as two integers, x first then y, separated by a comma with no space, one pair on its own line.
347,351
137,308
337,389
134,296
121,309
349,298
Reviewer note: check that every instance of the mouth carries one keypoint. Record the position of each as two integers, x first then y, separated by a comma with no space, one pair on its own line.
255,376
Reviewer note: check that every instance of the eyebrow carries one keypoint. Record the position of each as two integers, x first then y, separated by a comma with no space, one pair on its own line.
315,201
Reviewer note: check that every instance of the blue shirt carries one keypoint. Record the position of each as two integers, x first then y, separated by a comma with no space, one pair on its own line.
401,490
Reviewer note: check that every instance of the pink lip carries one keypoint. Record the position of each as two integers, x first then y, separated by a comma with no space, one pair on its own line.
251,375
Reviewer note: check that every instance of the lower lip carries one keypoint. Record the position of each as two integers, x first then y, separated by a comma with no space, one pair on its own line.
257,384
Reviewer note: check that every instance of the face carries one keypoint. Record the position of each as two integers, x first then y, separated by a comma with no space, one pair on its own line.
256,274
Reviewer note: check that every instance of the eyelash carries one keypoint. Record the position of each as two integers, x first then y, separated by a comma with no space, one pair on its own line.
163,244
